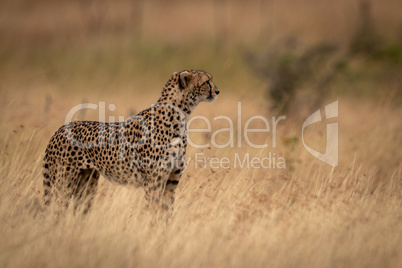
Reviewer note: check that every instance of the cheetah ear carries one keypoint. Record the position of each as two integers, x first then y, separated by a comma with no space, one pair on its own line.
185,78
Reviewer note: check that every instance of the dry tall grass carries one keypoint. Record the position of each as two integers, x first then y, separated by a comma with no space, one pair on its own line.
57,54
308,215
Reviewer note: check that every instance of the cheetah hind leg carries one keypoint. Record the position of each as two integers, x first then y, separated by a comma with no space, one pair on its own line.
85,189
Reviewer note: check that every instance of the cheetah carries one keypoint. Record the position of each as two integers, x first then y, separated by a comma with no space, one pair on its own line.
147,150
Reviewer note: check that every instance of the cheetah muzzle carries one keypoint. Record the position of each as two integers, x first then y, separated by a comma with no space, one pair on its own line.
147,150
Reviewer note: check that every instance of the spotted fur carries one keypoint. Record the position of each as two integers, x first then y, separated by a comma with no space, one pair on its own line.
147,150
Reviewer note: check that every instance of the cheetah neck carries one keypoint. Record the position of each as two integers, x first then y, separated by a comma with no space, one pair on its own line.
185,104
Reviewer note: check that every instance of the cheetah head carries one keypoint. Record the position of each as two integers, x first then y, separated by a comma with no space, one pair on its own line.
196,85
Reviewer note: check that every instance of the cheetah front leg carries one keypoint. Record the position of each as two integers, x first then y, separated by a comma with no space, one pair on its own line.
172,181
154,187
160,189
168,196
160,183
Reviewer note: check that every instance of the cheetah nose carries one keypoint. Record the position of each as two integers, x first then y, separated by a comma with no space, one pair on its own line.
217,92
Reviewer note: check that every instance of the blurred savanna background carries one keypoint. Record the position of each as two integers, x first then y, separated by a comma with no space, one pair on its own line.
269,58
